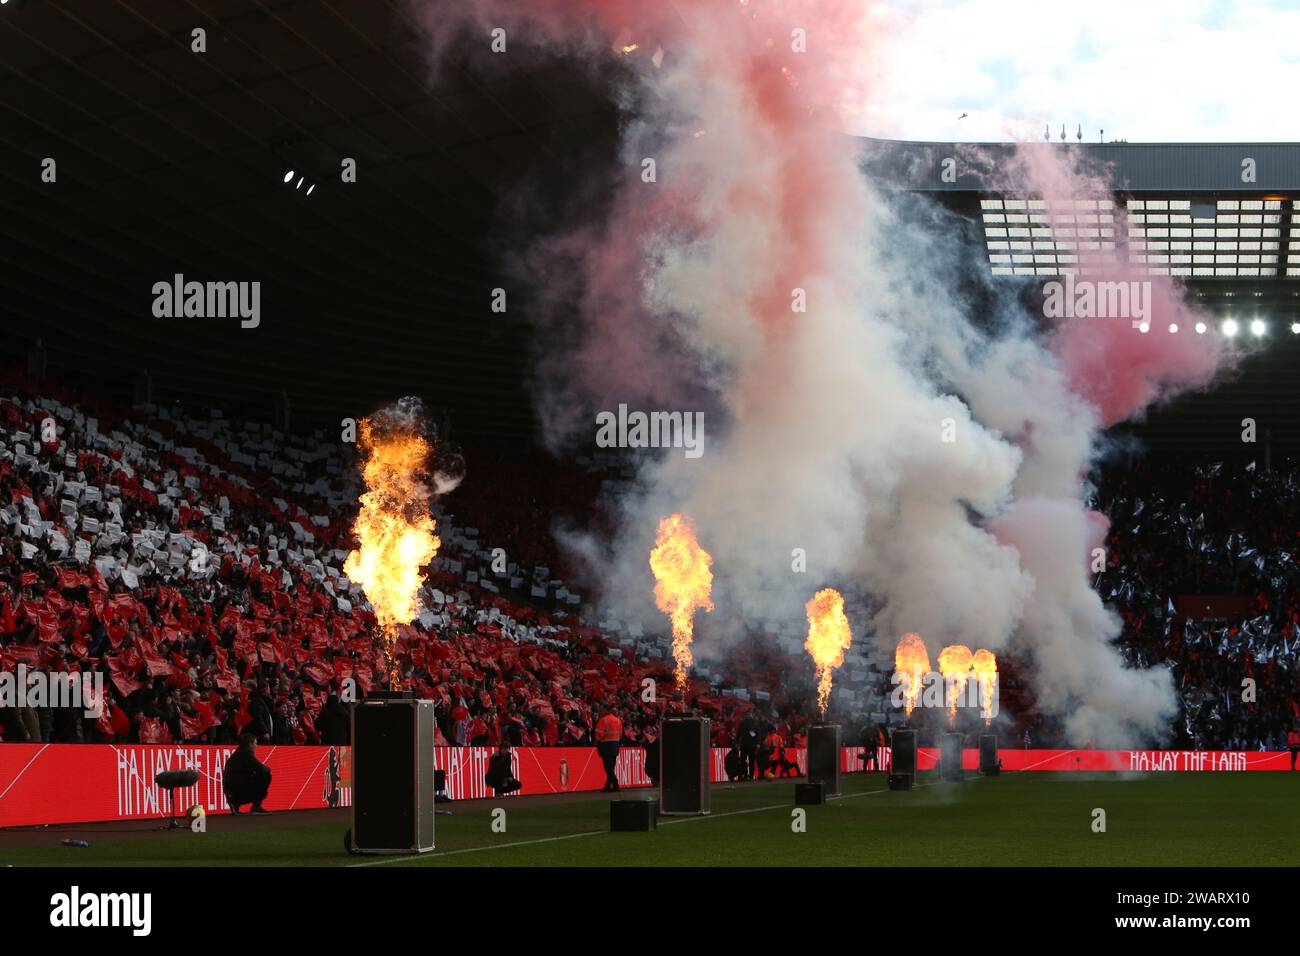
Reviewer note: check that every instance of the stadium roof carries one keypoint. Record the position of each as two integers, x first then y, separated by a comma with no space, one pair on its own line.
1196,210
1129,167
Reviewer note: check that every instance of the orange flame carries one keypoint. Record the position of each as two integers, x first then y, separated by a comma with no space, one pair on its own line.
683,582
911,663
985,666
954,665
828,638
394,528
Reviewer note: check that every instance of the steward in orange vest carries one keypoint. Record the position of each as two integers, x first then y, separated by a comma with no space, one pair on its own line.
772,745
609,728
609,737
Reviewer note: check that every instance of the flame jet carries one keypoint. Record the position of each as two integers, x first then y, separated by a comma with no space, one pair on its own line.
954,665
394,528
985,665
683,582
911,664
828,638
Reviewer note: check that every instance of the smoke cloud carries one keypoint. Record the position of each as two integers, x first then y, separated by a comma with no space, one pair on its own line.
443,469
854,408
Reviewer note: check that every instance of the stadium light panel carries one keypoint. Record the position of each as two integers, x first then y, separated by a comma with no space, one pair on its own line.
1295,328
1173,326
1230,328
288,176
1144,328
1258,328
1200,328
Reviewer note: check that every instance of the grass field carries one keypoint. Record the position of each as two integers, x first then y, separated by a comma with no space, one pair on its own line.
1038,819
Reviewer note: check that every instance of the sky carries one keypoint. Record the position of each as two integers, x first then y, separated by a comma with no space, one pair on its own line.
1139,70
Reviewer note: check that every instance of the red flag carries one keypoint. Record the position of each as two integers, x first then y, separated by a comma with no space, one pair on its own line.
192,727
120,674
155,664
154,731
318,674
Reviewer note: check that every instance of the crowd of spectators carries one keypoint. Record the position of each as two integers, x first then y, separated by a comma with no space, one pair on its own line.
1202,564
195,564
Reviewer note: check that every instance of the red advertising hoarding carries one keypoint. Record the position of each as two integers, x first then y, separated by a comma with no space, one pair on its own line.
74,783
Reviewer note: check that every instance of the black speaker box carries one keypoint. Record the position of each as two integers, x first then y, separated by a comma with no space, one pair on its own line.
809,793
632,816
990,766
684,764
824,757
902,752
392,776
950,747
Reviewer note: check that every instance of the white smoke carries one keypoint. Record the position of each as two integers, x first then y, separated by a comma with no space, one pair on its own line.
826,429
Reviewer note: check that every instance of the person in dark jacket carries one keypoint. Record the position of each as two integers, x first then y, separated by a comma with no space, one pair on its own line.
734,763
871,746
284,722
334,725
246,779
13,725
749,732
652,755
259,708
499,774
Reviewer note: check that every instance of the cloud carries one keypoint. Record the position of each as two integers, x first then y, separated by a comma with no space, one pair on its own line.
1156,71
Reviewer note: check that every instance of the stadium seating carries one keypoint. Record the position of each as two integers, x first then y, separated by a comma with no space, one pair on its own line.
1202,565
197,563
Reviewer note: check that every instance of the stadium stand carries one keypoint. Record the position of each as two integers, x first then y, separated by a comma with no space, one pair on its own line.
1202,566
197,563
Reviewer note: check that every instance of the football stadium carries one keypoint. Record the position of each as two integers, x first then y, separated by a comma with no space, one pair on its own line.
645,433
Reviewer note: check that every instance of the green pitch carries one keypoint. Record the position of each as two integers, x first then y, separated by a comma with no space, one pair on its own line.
1038,819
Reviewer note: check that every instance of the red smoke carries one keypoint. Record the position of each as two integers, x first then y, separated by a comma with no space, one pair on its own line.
1122,371
1118,368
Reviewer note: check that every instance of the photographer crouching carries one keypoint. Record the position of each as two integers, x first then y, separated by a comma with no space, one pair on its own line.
499,772
246,779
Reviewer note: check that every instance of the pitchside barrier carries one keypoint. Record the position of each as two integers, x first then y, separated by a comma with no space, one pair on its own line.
79,783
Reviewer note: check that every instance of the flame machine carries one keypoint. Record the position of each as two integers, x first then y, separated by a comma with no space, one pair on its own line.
824,757
990,765
684,764
392,775
902,759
